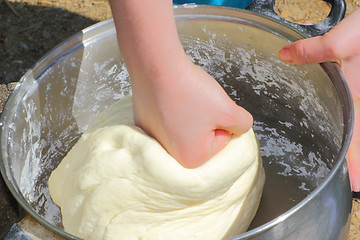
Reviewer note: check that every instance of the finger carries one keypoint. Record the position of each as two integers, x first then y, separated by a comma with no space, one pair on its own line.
350,69
307,51
354,152
239,121
221,138
353,158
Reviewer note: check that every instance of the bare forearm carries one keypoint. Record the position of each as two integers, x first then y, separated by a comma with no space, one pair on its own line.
175,102
147,36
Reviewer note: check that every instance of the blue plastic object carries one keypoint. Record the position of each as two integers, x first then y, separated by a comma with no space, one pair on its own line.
228,3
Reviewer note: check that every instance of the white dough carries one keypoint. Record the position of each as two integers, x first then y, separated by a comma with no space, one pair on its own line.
119,183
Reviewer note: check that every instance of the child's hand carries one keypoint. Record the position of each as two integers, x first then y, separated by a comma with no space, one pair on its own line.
189,113
176,102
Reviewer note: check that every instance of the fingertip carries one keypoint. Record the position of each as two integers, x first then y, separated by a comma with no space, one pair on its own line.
244,122
222,137
285,55
353,159
238,122
355,187
354,181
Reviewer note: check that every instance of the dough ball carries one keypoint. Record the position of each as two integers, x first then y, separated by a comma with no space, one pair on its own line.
119,183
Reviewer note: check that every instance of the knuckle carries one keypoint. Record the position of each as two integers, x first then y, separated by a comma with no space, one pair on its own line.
331,48
302,55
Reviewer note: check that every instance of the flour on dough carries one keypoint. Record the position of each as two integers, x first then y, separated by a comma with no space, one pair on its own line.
119,183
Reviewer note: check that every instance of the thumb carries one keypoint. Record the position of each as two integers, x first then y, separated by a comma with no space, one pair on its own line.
221,138
307,51
239,122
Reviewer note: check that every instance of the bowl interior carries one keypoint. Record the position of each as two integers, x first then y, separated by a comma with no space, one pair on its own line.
297,110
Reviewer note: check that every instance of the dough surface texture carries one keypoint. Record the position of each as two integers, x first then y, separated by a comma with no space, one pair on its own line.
119,183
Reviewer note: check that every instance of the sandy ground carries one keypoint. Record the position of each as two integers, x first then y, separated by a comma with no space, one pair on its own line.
30,28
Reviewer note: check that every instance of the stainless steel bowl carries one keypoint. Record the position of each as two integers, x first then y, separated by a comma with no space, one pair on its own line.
303,117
